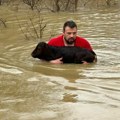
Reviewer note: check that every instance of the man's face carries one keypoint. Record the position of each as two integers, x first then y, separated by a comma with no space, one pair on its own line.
70,35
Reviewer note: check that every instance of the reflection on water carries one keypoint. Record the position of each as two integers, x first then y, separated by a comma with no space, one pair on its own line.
31,89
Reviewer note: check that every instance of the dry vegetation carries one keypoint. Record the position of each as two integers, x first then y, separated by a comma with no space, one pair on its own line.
31,30
61,5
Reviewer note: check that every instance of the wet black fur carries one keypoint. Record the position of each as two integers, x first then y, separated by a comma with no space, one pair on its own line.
69,54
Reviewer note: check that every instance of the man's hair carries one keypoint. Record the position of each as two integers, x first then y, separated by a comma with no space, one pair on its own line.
69,23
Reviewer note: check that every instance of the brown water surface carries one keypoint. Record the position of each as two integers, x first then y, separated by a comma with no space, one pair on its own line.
34,90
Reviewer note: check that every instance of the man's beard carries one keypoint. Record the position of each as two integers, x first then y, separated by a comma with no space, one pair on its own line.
70,40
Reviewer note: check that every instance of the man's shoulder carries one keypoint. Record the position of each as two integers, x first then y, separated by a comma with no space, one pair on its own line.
57,37
56,41
82,42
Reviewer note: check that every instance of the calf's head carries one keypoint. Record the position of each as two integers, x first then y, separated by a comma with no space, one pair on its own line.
39,51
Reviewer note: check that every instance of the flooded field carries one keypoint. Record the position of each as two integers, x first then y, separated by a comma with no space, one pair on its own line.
34,90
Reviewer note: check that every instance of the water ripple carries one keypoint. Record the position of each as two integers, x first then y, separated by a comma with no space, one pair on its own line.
11,70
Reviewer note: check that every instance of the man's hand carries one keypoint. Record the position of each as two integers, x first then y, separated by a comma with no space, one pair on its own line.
57,61
84,62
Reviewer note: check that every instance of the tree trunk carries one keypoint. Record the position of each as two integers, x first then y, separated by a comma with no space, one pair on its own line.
108,2
0,2
57,5
76,3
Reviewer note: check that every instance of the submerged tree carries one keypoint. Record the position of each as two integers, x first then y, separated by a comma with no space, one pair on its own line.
62,5
31,3
3,22
0,2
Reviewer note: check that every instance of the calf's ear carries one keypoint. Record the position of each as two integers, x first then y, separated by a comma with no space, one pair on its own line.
42,44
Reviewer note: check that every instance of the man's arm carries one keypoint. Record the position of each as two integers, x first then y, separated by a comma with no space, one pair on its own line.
57,61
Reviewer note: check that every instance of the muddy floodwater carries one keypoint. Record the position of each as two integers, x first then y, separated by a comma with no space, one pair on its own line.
31,89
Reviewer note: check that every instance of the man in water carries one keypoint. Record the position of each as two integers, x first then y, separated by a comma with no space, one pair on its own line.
69,38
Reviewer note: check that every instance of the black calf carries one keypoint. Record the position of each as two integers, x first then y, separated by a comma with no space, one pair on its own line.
69,54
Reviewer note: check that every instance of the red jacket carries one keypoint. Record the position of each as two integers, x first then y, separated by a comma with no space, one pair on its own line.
79,42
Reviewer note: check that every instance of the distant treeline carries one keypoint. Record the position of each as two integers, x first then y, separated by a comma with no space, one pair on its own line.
61,5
